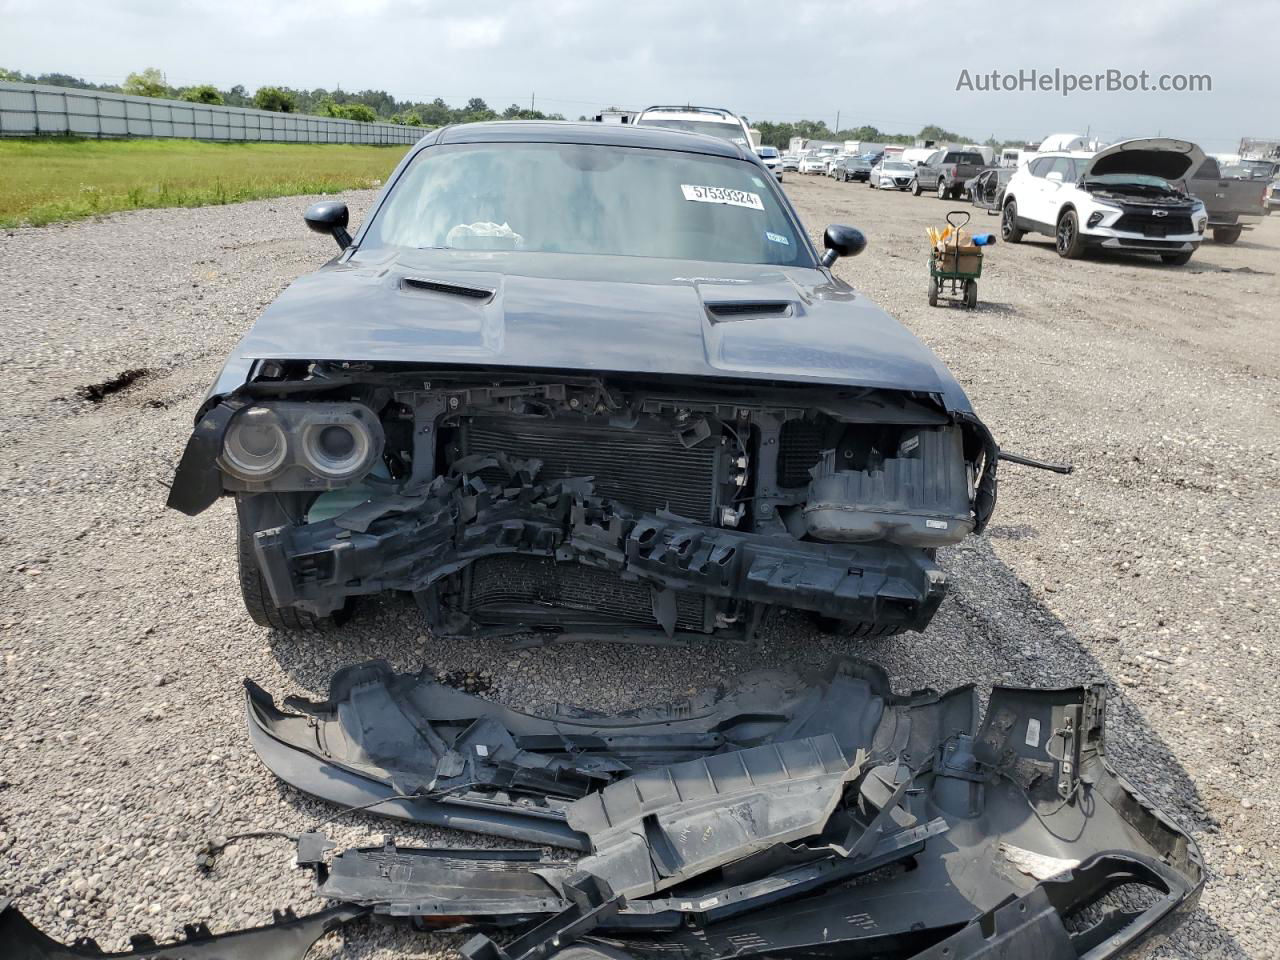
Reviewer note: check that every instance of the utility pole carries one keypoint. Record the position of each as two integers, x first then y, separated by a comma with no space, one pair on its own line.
532,97
837,130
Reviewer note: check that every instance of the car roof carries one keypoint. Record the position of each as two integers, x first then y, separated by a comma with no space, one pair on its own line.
599,134
713,117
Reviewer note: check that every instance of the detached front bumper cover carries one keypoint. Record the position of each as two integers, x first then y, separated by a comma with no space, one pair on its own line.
789,817
410,543
781,818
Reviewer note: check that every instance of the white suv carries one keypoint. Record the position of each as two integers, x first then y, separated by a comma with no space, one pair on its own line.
1124,197
770,157
712,121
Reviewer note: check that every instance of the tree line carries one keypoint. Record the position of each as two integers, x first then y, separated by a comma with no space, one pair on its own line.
365,106
370,105
779,134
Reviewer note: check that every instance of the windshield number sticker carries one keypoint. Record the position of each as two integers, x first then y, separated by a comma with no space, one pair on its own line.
735,198
777,238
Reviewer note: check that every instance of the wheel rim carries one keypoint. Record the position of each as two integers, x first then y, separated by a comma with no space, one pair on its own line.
942,190
1066,234
1006,222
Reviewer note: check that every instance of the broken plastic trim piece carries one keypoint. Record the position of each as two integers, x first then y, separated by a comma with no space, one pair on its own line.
659,828
410,543
444,882
420,750
591,902
287,937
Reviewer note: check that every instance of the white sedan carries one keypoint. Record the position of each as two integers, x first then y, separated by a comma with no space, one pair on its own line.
891,175
814,164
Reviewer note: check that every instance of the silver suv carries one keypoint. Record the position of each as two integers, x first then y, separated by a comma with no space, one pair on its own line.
712,121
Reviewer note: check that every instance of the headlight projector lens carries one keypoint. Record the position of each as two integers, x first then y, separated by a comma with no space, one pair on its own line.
336,450
255,446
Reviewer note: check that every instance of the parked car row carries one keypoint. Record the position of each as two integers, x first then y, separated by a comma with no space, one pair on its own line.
1153,195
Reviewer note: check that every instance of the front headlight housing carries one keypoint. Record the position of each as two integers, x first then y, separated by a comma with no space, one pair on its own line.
287,445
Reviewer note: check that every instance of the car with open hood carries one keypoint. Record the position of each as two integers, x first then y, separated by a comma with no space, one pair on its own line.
578,377
1125,197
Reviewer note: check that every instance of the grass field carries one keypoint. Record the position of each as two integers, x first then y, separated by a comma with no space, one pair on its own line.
53,179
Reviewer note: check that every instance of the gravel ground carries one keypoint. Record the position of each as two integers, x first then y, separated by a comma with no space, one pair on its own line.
122,744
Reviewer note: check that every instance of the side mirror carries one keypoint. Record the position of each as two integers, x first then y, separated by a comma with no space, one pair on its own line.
842,241
330,216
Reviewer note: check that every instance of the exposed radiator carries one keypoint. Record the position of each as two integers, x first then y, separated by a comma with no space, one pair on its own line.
800,446
645,467
540,591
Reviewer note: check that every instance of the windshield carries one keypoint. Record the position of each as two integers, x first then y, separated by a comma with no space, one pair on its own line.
1249,169
724,129
897,167
768,151
587,199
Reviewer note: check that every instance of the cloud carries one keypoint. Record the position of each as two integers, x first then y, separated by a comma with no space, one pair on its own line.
872,62
475,33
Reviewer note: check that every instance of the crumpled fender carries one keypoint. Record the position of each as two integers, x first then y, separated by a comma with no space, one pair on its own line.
197,483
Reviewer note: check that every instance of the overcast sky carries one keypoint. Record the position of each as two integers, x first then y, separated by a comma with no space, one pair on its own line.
891,64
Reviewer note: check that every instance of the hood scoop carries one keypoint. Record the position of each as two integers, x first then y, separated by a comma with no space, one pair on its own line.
483,294
723,311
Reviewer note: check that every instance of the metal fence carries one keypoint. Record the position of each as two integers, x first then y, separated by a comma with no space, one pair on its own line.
30,110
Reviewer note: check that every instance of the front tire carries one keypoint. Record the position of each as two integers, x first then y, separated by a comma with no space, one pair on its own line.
1067,237
257,598
915,187
942,189
1009,231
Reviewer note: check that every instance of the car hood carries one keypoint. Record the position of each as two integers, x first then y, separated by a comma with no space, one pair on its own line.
595,313
1150,156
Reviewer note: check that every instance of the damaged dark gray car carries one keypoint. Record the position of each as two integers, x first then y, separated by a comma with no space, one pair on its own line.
579,377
